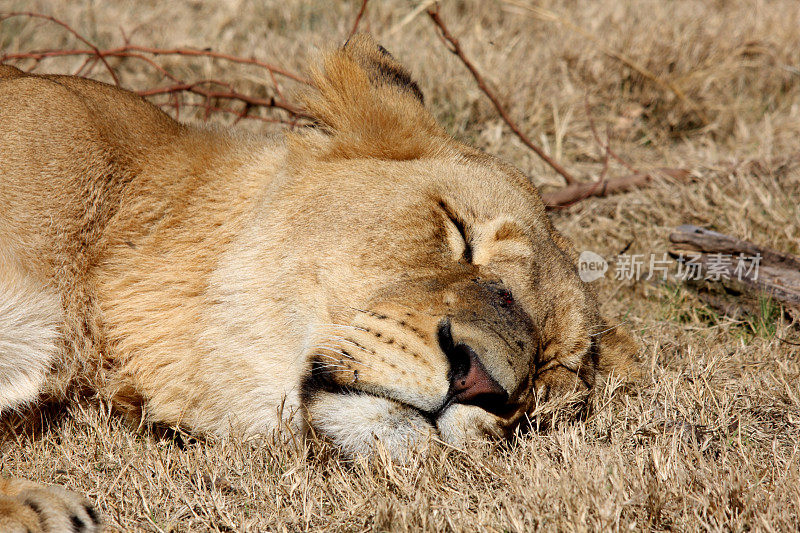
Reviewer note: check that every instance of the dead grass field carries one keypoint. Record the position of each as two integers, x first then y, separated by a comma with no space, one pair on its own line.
708,440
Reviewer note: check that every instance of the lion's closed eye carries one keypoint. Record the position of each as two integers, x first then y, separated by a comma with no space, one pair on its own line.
457,235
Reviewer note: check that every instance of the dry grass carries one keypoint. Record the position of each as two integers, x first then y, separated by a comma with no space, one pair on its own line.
708,439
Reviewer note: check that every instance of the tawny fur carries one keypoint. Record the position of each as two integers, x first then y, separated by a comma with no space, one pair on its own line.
221,281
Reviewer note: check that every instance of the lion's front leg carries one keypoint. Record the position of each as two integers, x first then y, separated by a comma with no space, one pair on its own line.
31,507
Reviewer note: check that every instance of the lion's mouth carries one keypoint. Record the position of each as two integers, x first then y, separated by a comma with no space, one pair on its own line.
495,404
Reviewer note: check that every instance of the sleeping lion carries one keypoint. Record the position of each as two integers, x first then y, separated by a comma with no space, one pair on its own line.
371,278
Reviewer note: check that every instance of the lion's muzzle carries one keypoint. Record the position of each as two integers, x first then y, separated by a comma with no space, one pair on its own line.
470,382
457,359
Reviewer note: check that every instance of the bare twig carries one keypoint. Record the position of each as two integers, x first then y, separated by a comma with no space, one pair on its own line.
125,51
455,47
67,27
357,21
197,88
574,191
571,194
200,87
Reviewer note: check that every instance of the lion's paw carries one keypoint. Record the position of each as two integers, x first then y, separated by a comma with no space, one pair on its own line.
30,507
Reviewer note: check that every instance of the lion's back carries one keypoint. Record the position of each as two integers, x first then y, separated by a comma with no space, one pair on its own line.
71,147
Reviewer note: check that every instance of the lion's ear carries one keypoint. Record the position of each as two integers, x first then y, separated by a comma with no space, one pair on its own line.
617,354
369,105
381,66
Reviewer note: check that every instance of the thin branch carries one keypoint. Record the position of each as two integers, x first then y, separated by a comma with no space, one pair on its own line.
178,87
96,51
357,21
455,48
607,145
125,51
571,194
252,101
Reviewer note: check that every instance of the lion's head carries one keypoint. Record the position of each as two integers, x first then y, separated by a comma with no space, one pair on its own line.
444,301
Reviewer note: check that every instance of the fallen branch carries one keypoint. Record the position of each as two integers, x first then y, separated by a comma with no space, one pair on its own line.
571,194
735,274
696,239
455,47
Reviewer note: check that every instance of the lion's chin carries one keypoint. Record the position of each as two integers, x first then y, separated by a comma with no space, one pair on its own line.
363,424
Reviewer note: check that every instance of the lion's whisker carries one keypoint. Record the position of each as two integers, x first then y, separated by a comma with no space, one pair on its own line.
335,350
335,368
328,356
330,364
348,356
348,341
607,329
329,372
342,326
358,346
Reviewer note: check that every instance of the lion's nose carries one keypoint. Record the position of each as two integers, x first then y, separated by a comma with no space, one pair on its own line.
470,383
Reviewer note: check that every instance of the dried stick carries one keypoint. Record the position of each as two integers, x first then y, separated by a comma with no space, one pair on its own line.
67,27
607,145
719,259
357,21
126,51
455,48
251,101
178,86
574,191
571,194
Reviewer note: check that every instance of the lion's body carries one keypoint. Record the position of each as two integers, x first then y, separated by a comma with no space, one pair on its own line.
125,217
358,276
